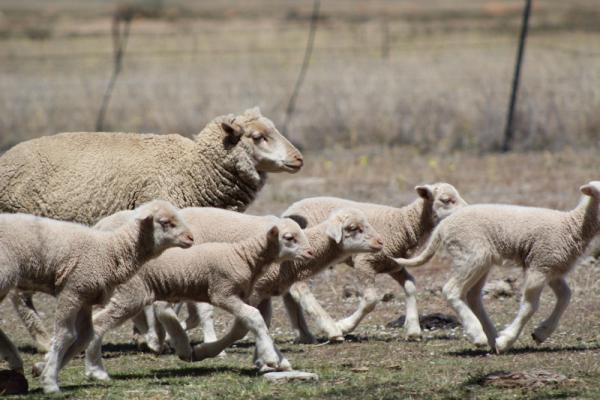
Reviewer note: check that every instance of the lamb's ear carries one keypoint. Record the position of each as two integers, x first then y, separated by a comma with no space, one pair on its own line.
589,190
144,215
234,132
334,231
273,233
424,191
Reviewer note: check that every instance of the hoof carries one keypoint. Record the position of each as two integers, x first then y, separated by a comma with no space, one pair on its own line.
336,339
538,340
98,375
414,336
37,368
51,388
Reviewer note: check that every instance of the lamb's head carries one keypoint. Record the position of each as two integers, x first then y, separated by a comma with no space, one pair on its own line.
292,242
350,228
442,199
271,151
161,222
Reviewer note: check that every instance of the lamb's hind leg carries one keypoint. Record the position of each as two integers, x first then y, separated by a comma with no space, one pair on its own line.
411,323
177,335
535,281
23,304
475,302
297,320
266,310
8,350
369,297
563,296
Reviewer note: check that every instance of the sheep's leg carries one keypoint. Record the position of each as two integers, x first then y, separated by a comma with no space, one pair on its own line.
8,351
296,317
302,294
194,316
254,322
64,336
411,322
112,316
23,304
155,336
266,310
85,333
213,349
530,301
563,296
475,302
369,297
454,292
177,336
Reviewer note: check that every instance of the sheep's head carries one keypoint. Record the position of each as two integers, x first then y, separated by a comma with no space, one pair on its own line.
443,199
168,229
350,228
293,243
271,151
591,189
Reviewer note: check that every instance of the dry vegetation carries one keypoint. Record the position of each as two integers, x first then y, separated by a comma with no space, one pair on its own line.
372,127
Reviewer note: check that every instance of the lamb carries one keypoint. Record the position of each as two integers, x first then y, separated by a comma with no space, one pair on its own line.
345,232
545,242
218,273
403,229
80,266
83,177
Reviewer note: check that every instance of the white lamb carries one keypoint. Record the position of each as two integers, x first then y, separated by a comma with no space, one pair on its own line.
80,266
546,243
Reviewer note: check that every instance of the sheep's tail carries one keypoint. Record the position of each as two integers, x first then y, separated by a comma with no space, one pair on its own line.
426,255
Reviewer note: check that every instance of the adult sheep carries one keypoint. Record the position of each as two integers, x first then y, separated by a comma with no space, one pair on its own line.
83,177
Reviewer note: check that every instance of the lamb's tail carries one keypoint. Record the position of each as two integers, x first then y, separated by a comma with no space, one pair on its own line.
426,255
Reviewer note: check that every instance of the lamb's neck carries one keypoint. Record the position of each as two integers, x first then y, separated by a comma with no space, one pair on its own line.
415,222
325,250
257,252
225,178
584,220
131,246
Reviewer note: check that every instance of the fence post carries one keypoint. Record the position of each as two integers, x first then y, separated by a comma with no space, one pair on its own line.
508,129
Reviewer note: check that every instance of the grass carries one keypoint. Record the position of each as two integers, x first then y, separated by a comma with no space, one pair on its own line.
376,362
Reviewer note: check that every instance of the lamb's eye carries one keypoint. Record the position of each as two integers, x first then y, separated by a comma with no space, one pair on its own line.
289,237
352,227
166,223
447,200
259,137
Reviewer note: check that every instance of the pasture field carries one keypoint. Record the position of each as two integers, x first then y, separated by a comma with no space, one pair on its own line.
376,362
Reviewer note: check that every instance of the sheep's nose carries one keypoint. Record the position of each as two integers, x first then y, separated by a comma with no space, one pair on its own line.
188,239
299,159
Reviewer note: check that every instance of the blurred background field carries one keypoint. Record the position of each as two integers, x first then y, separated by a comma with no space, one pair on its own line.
434,75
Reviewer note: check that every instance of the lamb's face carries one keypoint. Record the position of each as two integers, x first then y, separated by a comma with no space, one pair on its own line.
293,243
168,228
350,228
443,198
272,152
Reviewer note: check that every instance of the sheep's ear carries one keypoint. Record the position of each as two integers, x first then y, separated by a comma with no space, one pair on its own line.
273,233
234,132
589,190
334,231
144,216
424,191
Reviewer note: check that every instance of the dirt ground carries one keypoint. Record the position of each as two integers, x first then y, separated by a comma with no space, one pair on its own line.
376,361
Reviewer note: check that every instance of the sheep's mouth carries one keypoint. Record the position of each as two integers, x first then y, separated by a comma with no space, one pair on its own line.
292,167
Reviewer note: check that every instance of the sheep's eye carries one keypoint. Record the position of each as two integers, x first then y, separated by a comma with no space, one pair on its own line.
352,227
447,200
166,223
258,137
289,237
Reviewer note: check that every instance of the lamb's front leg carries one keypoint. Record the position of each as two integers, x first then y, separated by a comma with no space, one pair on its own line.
266,310
563,296
302,294
64,336
411,322
369,297
214,349
155,336
254,322
297,320
533,286
177,335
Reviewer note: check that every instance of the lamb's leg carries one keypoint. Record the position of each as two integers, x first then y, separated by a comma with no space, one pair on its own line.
64,336
454,292
8,351
563,296
155,336
254,322
194,316
411,322
535,281
302,295
23,304
296,317
475,302
177,336
369,297
113,315
213,349
85,333
266,310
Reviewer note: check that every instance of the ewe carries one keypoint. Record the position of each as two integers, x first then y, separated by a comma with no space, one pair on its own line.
83,177
546,243
80,266
403,229
222,274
